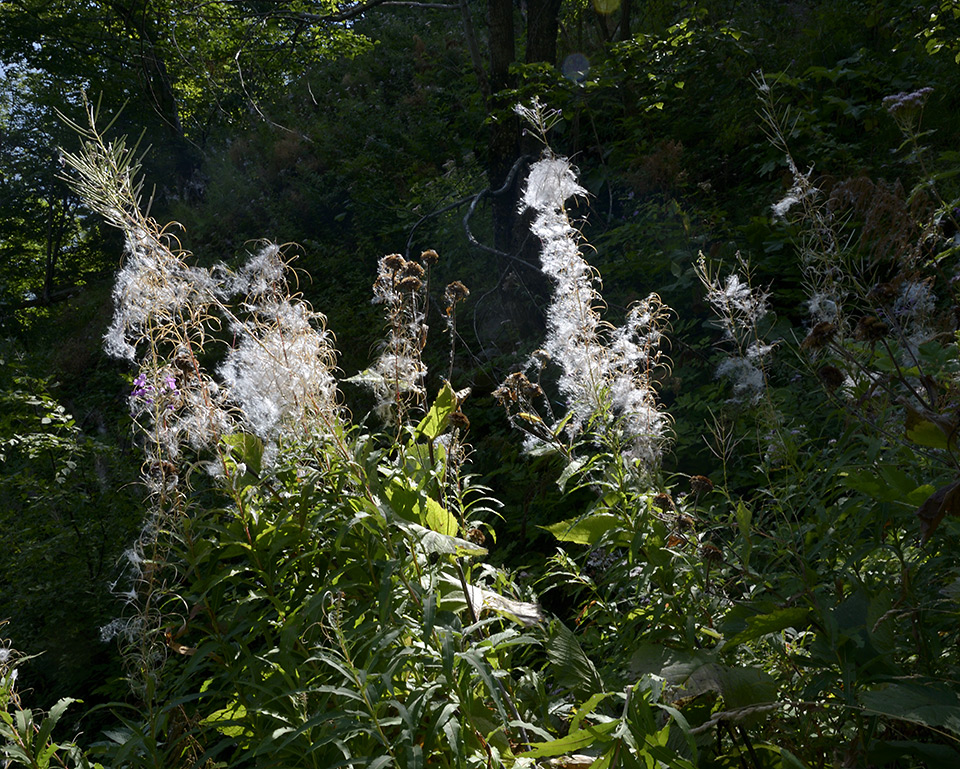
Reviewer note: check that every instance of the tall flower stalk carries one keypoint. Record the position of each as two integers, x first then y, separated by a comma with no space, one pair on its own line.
606,373
276,378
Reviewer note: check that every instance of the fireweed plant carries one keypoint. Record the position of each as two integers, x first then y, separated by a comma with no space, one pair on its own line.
309,592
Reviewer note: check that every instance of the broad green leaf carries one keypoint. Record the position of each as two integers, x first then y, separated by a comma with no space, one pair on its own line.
746,686
228,720
923,432
762,624
440,519
578,740
416,507
572,667
675,665
247,449
589,529
437,418
435,542
929,704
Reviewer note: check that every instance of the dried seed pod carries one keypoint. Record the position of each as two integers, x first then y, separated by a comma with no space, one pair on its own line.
455,292
819,336
710,553
870,329
700,484
459,421
429,257
663,502
831,377
394,262
410,284
882,294
412,270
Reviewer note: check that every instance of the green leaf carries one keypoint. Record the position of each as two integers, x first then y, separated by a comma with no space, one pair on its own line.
247,449
46,726
589,529
571,666
438,417
928,704
575,741
440,519
228,721
925,433
587,708
760,625
416,507
435,542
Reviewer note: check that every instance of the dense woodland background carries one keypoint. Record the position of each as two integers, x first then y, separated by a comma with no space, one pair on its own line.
357,130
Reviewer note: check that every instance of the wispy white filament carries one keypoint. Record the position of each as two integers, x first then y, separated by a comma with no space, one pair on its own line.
605,373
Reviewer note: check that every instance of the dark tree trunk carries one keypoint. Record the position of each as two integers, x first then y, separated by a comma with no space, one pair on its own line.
543,20
504,140
625,11
57,218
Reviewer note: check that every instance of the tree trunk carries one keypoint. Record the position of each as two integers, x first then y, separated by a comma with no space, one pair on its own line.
625,12
57,218
543,24
503,146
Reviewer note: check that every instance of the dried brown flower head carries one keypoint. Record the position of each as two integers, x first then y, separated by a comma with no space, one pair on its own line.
710,553
429,257
663,502
459,421
516,387
870,329
412,270
455,292
410,284
819,336
394,262
882,294
831,377
700,484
